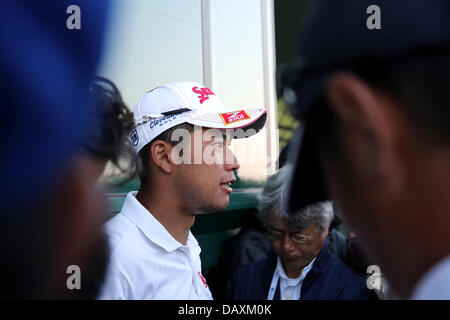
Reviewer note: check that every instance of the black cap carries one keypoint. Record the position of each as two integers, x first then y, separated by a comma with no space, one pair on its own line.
339,35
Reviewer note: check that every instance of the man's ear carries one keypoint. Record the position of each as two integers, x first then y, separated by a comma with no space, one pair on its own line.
160,152
373,113
357,104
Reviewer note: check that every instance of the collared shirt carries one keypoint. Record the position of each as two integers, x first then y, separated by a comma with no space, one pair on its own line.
435,284
146,262
290,289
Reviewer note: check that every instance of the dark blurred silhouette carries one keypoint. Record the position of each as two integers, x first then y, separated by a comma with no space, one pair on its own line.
51,212
373,104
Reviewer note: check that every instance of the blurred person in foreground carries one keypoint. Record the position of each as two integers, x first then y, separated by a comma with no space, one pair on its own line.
374,104
300,265
51,212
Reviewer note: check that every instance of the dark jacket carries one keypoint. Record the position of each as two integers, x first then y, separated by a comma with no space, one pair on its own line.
329,279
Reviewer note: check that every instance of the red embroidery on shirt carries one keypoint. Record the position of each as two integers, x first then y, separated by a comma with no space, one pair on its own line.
203,279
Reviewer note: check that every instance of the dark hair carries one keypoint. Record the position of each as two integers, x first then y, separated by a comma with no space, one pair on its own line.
110,121
144,154
419,82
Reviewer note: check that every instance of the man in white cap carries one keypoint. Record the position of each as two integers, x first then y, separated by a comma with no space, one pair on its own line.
153,253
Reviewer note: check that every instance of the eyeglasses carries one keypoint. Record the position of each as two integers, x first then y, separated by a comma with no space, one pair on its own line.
297,237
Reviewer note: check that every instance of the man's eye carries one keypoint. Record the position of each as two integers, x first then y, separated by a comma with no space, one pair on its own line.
300,237
276,233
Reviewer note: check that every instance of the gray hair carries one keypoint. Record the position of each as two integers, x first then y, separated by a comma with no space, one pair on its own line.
272,204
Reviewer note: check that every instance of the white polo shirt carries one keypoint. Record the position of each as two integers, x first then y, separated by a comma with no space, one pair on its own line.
146,262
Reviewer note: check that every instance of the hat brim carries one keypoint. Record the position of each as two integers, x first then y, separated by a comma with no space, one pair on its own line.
250,119
307,185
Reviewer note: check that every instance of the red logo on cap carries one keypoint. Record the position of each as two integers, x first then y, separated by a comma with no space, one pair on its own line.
203,93
231,117
203,279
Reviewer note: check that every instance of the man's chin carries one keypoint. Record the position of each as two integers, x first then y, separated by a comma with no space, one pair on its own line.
224,204
214,207
294,263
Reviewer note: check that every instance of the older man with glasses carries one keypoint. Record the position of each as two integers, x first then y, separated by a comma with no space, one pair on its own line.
300,265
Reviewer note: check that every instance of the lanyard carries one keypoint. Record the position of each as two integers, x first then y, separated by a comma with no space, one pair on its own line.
273,285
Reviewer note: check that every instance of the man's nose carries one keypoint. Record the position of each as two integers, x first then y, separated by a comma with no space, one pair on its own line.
288,244
231,162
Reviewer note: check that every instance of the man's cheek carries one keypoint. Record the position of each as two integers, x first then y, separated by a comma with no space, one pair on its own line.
213,155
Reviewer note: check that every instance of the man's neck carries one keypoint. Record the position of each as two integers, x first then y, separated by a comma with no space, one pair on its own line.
177,222
425,239
293,273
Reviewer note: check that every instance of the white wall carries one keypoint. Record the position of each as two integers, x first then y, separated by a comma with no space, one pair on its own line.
239,60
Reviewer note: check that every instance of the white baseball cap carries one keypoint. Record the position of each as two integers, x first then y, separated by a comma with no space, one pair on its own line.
169,105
